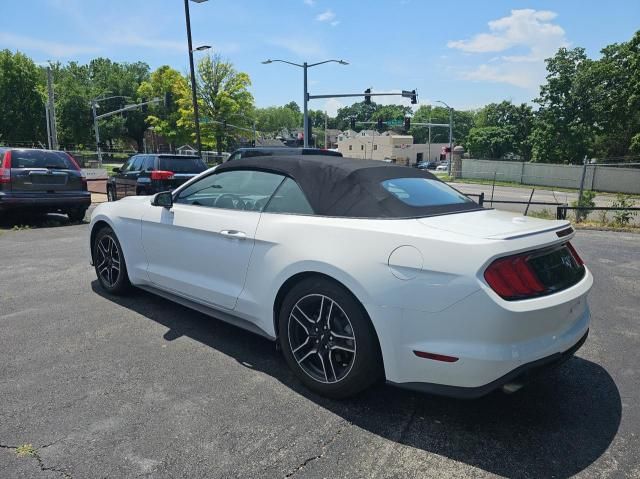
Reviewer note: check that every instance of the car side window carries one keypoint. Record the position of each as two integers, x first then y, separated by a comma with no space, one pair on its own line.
127,165
148,163
137,163
237,190
289,198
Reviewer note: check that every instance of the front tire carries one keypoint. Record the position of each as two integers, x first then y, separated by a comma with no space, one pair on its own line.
109,262
328,340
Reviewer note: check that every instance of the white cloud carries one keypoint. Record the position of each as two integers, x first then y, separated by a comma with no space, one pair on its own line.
331,106
52,49
326,16
311,3
335,23
525,29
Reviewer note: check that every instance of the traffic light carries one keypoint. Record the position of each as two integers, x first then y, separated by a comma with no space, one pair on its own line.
407,123
353,123
168,99
367,97
380,124
414,97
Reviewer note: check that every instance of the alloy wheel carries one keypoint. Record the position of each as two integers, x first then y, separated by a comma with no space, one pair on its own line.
108,260
321,338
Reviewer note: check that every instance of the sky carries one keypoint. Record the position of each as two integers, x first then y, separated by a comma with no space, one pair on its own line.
465,52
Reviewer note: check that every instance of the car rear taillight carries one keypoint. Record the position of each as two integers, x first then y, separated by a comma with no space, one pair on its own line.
5,169
575,254
161,175
513,278
535,273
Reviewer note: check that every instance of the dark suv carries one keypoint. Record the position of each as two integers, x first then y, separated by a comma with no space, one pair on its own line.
148,174
279,151
42,181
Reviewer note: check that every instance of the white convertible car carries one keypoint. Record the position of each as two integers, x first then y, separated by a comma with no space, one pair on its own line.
360,270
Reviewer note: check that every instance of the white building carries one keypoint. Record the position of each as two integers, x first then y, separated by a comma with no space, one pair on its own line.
387,146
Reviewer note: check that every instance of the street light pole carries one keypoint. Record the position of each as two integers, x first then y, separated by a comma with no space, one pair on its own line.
305,66
305,110
97,131
450,134
193,80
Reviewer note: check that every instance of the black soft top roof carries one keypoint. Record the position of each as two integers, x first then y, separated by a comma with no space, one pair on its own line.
348,187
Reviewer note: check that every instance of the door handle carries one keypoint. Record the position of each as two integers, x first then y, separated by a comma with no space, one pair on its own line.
234,234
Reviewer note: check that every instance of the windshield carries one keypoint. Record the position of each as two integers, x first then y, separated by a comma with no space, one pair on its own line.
423,192
181,164
41,159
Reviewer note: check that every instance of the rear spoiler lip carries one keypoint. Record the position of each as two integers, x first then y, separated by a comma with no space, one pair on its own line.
523,234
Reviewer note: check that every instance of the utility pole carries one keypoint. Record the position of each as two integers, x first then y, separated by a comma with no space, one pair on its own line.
429,150
450,139
46,110
255,138
52,110
326,136
305,66
193,80
97,132
584,174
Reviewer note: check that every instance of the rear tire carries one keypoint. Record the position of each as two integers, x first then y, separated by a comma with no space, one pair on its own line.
328,340
109,262
77,215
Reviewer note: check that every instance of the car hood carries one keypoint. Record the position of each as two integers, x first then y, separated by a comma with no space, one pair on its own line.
492,224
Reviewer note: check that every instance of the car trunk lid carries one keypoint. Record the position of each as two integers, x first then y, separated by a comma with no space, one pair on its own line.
44,171
492,224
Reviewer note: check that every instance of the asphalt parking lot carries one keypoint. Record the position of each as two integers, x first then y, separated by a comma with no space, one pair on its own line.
141,387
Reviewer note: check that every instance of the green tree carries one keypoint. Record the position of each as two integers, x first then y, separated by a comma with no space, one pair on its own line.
516,123
274,118
292,105
361,111
165,118
223,95
73,89
22,113
490,141
565,123
610,87
463,121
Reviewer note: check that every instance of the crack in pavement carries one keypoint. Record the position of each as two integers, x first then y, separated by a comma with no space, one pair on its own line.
323,447
35,455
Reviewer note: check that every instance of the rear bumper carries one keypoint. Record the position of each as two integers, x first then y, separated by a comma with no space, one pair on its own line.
49,202
519,375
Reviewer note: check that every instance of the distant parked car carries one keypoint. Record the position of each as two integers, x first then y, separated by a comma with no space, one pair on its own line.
427,165
43,181
148,174
443,167
279,151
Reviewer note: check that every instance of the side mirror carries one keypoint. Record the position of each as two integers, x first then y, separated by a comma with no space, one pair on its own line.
116,169
164,199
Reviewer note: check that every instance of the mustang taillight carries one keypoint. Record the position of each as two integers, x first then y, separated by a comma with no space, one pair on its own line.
513,278
5,168
161,175
535,273
575,254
